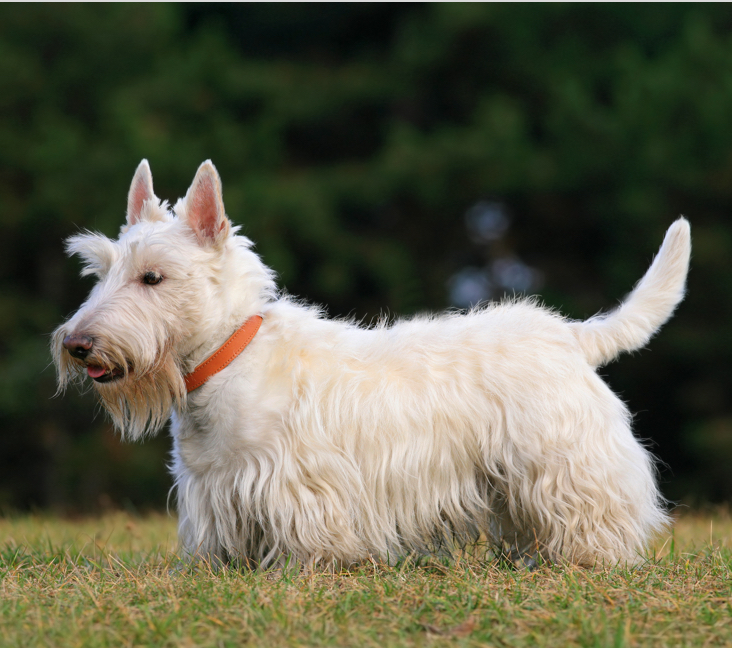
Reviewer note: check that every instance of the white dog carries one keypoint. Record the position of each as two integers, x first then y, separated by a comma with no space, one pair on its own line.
330,443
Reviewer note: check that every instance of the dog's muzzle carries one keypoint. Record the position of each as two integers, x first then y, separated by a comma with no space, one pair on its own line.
79,347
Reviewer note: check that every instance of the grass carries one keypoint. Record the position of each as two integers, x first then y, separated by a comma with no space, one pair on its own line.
116,581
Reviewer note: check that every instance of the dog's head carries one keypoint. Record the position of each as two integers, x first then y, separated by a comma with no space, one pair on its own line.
168,287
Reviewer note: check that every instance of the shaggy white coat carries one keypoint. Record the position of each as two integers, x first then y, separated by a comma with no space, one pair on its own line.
331,443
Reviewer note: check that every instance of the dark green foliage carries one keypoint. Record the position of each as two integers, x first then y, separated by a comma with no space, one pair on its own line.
351,140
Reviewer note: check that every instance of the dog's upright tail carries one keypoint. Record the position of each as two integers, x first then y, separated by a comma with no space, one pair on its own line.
646,309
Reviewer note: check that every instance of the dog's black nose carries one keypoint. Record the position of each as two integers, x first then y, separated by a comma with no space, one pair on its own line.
78,345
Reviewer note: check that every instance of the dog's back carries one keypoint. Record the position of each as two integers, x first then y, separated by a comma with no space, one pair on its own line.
491,422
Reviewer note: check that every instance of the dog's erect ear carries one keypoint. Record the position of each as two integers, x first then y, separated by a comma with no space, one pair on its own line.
141,190
205,206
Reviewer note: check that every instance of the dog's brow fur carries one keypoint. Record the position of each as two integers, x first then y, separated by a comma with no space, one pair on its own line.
332,443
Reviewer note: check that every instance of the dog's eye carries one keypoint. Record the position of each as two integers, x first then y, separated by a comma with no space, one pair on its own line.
152,278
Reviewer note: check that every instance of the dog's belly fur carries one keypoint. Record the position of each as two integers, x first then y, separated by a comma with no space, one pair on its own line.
337,443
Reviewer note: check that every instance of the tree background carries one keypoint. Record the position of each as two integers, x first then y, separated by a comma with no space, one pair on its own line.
385,158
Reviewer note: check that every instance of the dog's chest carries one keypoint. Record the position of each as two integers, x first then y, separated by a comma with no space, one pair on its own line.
224,427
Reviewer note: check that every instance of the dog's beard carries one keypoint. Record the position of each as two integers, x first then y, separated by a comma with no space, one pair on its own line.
140,405
139,396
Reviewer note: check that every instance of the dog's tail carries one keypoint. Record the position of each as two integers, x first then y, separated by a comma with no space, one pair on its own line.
646,309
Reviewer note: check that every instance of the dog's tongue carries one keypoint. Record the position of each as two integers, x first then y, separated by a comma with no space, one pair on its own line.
95,372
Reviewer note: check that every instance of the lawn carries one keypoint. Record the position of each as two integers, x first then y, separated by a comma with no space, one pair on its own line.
116,581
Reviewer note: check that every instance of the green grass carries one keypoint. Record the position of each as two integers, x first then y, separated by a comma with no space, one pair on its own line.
116,581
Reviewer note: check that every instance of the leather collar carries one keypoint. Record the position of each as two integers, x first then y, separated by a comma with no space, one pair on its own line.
225,355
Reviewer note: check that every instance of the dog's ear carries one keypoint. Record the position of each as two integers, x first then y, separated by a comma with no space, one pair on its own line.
141,190
204,206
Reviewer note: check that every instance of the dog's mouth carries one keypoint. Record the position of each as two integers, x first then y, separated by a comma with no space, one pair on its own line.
102,375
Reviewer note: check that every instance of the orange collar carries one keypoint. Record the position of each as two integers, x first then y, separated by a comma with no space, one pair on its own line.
225,355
